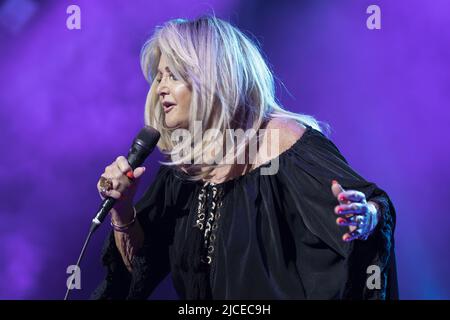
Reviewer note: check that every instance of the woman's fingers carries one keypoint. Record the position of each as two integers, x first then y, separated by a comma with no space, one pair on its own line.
115,182
352,211
336,188
113,194
346,196
121,175
352,208
114,174
351,196
138,172
349,236
348,221
123,164
126,169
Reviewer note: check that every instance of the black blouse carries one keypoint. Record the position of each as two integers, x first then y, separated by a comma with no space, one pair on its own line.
257,236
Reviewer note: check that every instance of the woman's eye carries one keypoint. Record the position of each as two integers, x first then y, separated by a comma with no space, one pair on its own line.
171,76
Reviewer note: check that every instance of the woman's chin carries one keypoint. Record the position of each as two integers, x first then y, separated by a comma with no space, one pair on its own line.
175,124
171,124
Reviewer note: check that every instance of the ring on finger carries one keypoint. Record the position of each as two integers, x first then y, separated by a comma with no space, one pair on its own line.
105,184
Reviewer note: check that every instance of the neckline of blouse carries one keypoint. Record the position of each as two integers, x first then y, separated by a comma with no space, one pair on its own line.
250,173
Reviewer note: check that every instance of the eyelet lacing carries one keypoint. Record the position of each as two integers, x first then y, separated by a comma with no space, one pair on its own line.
208,214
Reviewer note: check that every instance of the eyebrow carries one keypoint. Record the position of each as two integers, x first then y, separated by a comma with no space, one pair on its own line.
167,69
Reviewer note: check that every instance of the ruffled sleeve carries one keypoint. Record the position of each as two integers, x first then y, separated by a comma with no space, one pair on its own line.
151,263
305,175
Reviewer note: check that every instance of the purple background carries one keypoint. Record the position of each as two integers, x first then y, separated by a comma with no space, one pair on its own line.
72,100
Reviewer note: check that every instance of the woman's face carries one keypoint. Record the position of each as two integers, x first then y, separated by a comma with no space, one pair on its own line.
174,96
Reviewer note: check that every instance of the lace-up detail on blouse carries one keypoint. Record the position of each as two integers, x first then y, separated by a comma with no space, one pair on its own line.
208,214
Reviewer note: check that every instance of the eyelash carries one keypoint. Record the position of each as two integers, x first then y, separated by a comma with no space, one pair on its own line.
170,76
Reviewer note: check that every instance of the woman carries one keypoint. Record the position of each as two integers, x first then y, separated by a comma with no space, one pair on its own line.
310,229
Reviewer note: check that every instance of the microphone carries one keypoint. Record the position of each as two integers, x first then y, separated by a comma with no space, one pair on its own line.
142,146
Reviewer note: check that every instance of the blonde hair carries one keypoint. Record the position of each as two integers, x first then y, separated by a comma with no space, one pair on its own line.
232,86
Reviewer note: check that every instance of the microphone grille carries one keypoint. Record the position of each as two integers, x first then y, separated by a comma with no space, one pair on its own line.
148,137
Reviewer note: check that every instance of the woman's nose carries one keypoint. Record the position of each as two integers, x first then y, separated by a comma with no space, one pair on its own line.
162,89
162,86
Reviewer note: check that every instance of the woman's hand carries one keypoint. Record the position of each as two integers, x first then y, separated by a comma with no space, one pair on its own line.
355,212
124,185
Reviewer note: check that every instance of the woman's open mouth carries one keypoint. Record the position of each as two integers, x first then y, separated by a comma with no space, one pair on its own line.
167,106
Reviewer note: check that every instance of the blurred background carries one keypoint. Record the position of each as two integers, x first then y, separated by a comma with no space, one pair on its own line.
71,101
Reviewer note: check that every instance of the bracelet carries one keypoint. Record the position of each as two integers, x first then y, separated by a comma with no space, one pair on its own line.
126,226
372,217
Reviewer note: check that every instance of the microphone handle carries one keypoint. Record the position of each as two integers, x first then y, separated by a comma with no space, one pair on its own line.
135,158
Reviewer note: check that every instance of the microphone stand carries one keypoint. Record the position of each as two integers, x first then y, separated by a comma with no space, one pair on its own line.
92,229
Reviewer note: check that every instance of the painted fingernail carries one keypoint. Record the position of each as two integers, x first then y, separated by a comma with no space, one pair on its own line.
341,198
130,175
346,237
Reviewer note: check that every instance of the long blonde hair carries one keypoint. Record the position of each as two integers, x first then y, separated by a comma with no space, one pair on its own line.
232,86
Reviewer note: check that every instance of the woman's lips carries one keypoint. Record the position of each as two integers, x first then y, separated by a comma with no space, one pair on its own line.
168,108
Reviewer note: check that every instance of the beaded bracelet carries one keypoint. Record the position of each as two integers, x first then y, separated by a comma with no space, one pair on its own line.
124,227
